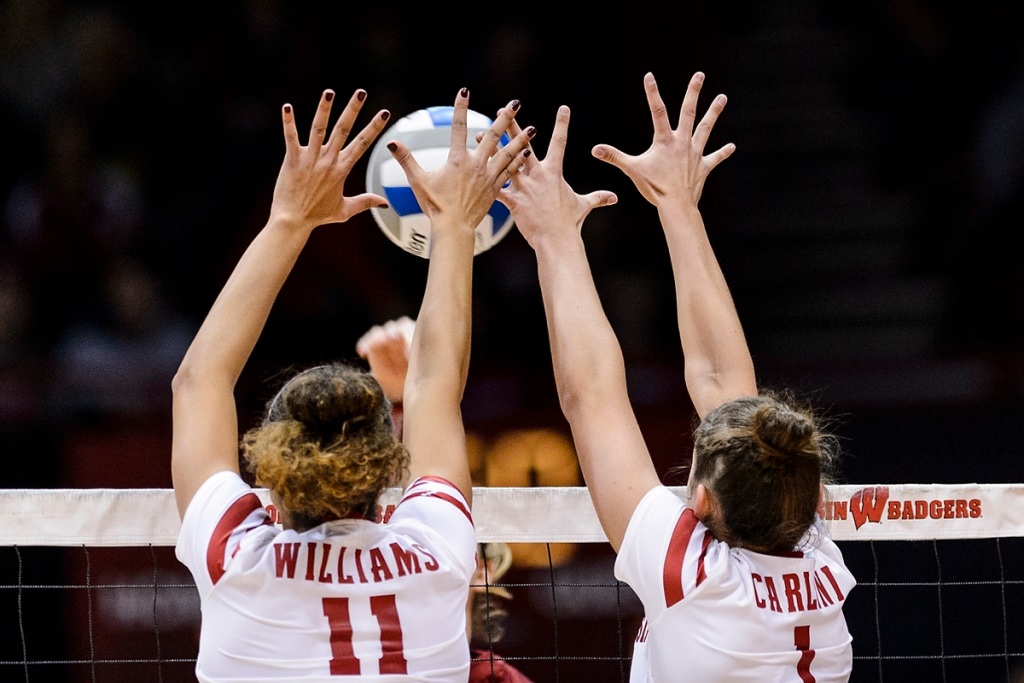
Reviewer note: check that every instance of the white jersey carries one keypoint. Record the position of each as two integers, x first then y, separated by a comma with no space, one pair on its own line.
715,613
376,602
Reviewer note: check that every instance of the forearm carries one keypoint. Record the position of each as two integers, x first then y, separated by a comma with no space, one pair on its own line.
585,352
439,355
590,376
718,365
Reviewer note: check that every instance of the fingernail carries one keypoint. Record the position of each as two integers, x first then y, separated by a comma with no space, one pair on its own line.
392,147
464,92
526,153
360,95
385,115
515,105
531,131
383,205
287,109
328,96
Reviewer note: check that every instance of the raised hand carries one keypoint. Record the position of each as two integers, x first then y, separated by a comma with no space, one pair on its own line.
539,197
386,348
466,185
311,183
675,166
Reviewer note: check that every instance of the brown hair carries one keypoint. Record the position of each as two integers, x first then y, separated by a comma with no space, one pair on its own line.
326,446
764,459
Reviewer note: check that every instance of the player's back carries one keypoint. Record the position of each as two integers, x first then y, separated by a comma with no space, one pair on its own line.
370,600
757,618
719,613
382,601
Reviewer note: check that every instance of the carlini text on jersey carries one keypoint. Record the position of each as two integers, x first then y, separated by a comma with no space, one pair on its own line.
801,592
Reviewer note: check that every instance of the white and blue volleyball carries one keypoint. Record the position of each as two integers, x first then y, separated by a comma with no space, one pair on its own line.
427,134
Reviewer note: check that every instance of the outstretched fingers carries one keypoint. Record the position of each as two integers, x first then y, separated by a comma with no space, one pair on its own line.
659,112
511,158
343,126
718,156
318,131
559,139
362,142
460,132
707,122
291,135
688,113
491,138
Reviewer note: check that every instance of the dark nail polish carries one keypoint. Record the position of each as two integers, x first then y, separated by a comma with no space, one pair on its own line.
328,96
360,95
526,153
385,115
392,147
287,109
464,92
383,205
531,131
515,105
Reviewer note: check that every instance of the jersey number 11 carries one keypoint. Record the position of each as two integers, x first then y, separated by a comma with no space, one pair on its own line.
343,658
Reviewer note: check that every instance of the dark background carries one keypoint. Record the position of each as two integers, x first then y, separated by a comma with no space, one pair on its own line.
870,222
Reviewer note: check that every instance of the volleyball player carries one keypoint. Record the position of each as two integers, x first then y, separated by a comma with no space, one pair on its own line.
334,593
738,581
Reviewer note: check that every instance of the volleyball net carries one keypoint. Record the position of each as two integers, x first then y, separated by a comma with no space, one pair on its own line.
91,591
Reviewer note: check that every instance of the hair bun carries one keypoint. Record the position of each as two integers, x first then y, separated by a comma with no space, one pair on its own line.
783,432
330,400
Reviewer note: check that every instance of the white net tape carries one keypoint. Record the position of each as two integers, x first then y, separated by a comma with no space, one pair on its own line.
127,517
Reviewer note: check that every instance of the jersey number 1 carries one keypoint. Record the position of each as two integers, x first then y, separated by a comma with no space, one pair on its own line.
343,658
802,640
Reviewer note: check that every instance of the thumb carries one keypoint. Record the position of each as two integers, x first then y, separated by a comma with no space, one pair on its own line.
506,197
367,201
601,198
610,155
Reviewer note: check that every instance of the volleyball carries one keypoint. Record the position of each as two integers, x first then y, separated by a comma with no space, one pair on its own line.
427,134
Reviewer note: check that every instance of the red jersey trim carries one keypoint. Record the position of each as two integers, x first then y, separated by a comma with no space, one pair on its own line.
701,574
413,493
231,519
672,573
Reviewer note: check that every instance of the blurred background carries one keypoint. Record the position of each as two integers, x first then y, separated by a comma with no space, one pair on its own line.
870,222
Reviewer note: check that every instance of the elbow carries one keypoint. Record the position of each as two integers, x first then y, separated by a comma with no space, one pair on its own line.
576,393
183,379
571,404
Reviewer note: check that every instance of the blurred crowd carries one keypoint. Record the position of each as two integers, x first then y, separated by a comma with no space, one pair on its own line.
141,145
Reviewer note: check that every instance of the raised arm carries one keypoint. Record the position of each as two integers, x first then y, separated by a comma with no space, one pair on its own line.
589,370
455,198
671,175
309,192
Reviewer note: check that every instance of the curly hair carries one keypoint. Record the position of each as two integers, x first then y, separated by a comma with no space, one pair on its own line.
326,446
764,459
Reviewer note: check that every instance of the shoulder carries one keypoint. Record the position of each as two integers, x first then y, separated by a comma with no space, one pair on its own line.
657,513
435,489
219,494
